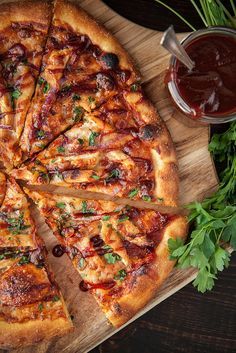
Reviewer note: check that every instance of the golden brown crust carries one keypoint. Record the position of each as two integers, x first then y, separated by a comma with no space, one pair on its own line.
2,187
81,22
147,284
27,333
20,11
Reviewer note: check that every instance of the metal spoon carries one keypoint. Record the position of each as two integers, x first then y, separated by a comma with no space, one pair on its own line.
170,42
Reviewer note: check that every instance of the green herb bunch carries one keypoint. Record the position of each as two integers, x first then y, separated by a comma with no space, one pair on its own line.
212,13
213,220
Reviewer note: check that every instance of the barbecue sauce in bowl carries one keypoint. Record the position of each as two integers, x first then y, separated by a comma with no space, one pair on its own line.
208,91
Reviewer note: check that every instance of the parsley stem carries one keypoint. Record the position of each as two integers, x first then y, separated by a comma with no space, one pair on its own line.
226,11
199,12
176,13
233,6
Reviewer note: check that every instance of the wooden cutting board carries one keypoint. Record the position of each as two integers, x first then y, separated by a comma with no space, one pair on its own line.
197,175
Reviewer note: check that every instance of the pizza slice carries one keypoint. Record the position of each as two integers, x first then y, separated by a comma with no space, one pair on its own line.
83,66
114,151
120,252
31,304
21,50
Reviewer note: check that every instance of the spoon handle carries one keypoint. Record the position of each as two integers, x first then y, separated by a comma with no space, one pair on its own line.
170,42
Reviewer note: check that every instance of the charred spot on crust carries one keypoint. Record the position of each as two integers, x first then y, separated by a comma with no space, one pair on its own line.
104,81
110,60
117,308
149,132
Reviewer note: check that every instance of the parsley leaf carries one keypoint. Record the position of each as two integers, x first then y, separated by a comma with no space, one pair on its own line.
61,149
76,97
15,94
214,220
81,141
133,193
78,113
55,298
61,205
146,198
46,87
106,218
40,134
92,138
111,258
123,218
120,275
84,208
17,225
24,260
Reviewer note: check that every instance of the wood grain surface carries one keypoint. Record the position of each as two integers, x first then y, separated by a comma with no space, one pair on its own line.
197,177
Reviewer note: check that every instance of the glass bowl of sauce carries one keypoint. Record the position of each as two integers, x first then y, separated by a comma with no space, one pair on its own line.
207,93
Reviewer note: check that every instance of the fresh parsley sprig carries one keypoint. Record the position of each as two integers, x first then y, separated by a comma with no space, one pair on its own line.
213,220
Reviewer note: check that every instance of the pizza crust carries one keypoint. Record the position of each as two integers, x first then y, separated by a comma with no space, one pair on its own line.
146,285
16,335
20,11
80,21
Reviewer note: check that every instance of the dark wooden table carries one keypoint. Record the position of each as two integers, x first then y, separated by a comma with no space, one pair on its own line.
187,322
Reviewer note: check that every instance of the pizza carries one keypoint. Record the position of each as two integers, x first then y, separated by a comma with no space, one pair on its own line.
87,75
83,66
73,114
31,304
120,251
96,156
21,51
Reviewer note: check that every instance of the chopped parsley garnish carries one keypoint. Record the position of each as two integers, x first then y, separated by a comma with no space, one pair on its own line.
134,88
17,225
84,208
111,258
78,113
61,205
107,247
81,263
146,198
92,138
46,87
15,94
91,99
123,218
106,218
61,149
55,298
115,173
81,141
133,193
95,176
160,199
41,81
24,260
40,307
120,275
40,134
76,97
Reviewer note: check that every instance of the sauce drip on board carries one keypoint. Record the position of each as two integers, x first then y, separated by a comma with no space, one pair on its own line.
210,87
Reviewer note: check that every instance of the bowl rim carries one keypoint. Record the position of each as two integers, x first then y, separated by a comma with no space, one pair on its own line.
184,107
